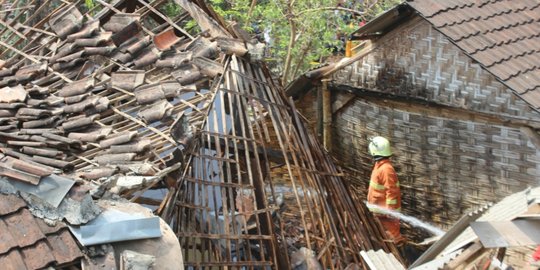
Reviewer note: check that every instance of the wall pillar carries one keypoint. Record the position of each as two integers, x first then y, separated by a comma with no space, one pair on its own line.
326,115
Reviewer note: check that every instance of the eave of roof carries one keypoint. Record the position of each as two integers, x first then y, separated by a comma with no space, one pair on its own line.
383,22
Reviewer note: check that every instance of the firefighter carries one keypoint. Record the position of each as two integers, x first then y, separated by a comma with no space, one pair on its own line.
384,189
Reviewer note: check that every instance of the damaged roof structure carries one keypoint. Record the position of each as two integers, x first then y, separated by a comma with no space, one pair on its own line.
123,98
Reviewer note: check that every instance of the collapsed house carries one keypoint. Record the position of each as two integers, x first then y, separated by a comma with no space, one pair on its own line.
453,85
120,99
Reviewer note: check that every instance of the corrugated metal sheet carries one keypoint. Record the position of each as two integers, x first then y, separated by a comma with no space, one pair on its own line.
439,262
507,209
516,233
380,260
115,226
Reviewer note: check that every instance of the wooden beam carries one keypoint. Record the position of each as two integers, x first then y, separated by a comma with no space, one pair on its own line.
424,107
327,115
275,156
466,256
319,112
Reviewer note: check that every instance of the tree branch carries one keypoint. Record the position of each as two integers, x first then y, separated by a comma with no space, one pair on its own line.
251,7
292,40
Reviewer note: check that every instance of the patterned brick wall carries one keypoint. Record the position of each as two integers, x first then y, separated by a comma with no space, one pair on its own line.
445,166
416,60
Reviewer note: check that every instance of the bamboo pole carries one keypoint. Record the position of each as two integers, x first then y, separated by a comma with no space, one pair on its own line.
326,115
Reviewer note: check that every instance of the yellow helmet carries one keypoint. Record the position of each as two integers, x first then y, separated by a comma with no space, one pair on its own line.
379,146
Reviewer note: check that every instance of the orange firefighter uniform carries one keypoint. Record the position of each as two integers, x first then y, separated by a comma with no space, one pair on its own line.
384,192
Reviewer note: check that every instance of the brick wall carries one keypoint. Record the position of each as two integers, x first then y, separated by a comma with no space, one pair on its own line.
445,166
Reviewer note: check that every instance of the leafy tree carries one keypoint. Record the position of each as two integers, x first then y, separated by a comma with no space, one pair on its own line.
300,32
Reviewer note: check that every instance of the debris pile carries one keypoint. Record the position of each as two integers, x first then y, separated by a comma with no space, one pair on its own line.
501,235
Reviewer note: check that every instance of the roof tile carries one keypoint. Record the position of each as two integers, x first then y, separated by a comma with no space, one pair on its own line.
518,83
429,7
23,244
64,247
10,203
455,17
502,35
37,256
6,239
24,228
12,261
475,43
46,229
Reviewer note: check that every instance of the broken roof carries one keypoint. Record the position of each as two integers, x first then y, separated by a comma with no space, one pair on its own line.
27,242
502,36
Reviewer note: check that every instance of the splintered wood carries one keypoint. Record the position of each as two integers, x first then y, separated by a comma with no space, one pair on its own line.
122,90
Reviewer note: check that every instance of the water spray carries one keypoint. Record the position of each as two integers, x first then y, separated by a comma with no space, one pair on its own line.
411,220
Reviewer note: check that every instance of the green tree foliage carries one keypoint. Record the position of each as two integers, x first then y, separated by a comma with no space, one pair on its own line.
300,33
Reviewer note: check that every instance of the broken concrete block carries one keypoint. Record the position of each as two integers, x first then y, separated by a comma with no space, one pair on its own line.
13,94
130,183
131,260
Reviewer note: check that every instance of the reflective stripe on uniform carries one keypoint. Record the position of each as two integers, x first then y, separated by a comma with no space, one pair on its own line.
376,186
382,211
397,184
391,201
376,210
